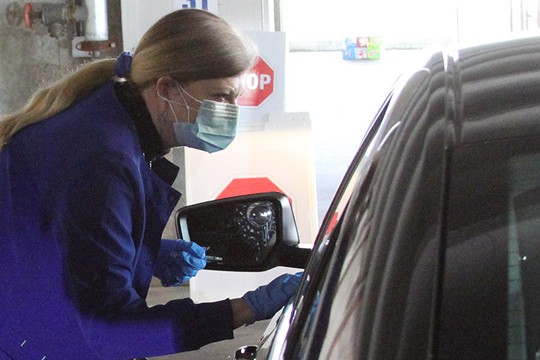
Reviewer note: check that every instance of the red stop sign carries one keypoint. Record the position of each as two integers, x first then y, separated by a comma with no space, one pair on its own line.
259,84
246,186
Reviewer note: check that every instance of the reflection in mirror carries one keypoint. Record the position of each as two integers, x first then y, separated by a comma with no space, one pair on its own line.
233,233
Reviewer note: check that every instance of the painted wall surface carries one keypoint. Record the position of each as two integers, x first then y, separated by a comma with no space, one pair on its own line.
31,58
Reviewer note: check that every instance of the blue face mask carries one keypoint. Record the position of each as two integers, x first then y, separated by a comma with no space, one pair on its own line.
214,128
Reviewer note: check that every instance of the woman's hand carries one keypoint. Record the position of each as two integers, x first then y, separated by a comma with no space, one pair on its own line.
178,261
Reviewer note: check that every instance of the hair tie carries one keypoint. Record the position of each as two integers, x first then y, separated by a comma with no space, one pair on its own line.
122,68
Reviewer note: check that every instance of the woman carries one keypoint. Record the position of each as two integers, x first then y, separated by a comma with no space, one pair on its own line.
85,194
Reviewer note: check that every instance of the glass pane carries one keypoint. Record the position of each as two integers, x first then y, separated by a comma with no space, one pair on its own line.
490,305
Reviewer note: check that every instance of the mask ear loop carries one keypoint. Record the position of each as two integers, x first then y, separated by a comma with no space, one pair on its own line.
170,102
189,108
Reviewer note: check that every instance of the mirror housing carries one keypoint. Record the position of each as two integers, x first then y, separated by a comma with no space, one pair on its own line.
244,233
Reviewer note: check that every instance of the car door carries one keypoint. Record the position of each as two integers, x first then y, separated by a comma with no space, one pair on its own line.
361,277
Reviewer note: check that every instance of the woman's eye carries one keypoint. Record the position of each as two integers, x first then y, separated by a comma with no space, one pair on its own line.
222,97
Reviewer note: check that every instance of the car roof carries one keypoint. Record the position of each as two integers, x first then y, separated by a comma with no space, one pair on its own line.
492,91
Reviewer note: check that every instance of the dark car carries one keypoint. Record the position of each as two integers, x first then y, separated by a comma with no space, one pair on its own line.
435,253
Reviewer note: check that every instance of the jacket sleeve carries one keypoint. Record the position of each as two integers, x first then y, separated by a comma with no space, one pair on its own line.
100,229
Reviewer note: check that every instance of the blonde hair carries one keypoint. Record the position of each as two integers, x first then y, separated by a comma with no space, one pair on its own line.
187,45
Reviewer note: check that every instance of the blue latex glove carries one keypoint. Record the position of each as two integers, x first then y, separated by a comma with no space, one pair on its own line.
178,261
266,300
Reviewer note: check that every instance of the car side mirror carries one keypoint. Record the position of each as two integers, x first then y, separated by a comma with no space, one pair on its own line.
244,233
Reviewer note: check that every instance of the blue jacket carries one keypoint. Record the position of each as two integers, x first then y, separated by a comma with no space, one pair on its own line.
81,219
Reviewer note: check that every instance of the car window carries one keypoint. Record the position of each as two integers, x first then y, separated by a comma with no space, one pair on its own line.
358,171
341,296
491,294
307,301
333,305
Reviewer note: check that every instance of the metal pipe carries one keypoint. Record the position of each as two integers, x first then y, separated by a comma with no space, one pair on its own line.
97,27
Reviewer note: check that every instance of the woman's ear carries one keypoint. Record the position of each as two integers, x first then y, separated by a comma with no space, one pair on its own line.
165,87
156,96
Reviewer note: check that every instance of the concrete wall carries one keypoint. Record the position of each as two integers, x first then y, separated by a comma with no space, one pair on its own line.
30,58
